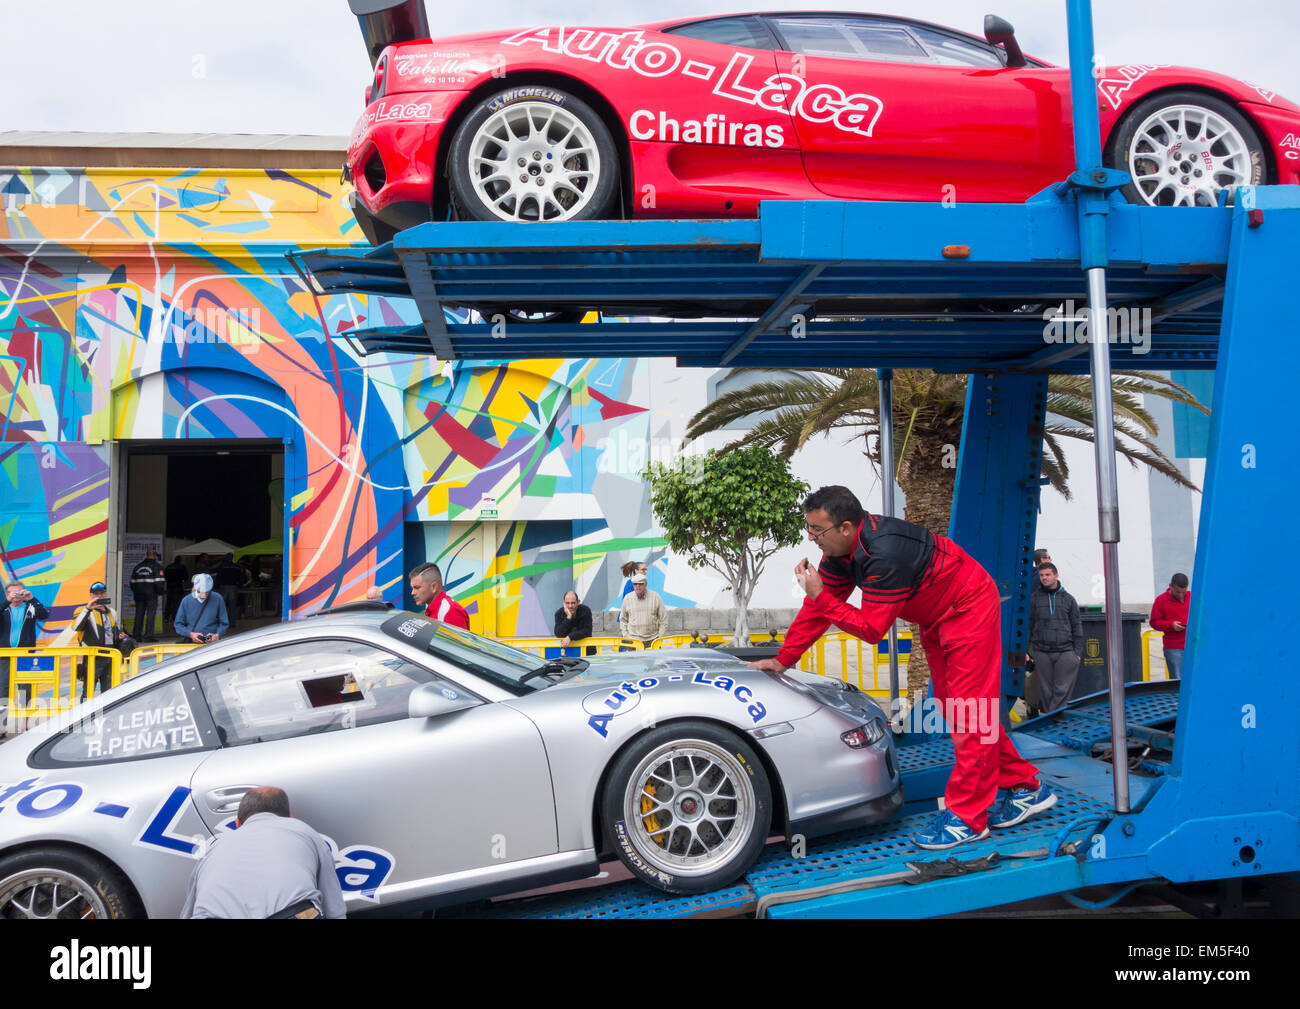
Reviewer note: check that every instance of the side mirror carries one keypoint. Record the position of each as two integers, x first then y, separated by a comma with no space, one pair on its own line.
999,32
429,700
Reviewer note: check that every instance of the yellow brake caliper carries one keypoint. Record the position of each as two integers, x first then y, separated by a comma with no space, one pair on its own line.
651,820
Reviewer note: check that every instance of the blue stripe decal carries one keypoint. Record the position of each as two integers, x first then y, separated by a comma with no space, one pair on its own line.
112,809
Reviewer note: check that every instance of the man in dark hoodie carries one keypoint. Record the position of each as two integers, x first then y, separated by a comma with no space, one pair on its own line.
1055,639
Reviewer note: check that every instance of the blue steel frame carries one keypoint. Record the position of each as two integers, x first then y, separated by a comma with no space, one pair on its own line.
1218,281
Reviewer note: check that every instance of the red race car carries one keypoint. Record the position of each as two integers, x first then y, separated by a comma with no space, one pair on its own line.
706,117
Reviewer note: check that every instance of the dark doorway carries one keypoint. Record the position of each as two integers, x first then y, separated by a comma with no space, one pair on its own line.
182,493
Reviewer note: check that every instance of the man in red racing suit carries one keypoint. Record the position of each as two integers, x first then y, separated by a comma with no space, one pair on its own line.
907,572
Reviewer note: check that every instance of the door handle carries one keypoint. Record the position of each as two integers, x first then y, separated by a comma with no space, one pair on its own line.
226,799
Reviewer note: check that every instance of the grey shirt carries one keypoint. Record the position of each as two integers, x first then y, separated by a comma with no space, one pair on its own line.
264,866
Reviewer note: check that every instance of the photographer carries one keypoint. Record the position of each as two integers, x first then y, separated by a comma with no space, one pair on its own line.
96,626
18,622
202,615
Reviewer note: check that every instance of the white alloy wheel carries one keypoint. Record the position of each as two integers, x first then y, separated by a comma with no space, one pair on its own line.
49,893
534,161
689,807
1183,155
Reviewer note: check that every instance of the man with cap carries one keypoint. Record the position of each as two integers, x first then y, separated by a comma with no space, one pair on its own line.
202,614
96,626
643,616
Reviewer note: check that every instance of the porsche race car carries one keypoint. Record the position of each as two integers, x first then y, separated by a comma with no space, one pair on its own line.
441,765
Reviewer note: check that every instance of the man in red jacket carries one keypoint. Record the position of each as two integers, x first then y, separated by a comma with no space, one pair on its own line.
907,572
426,590
1169,614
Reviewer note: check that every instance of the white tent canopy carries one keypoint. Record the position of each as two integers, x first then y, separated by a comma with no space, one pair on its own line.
211,546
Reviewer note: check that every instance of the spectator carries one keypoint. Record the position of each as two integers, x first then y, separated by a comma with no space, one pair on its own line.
1055,641
375,594
147,584
1041,557
229,578
18,620
96,626
1169,614
269,866
633,568
643,616
573,622
202,614
426,589
177,576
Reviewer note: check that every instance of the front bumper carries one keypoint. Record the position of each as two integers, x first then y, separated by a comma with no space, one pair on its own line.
392,160
860,814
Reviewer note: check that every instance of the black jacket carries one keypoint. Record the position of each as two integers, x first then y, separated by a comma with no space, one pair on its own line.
147,578
577,628
35,613
1054,624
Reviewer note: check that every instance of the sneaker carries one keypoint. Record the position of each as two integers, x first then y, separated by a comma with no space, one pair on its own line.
947,831
1020,805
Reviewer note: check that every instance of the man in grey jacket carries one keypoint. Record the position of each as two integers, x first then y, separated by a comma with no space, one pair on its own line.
270,866
1055,639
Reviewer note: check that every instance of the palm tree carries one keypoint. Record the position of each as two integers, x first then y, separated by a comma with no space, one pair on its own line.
927,421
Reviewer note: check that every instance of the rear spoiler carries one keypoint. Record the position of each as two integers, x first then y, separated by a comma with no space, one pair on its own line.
384,22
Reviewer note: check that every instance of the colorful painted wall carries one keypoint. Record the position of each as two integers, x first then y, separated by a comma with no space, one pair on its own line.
142,305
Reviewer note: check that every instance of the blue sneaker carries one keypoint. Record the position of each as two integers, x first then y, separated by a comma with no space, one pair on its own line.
1020,805
947,831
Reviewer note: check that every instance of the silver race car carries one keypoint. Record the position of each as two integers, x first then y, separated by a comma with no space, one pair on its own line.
443,767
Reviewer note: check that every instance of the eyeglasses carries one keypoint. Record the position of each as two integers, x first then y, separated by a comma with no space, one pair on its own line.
816,533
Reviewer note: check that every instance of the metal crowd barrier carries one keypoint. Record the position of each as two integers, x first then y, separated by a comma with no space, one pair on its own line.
819,659
42,674
550,648
146,657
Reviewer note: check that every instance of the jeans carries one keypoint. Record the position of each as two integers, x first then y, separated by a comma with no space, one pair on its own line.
1174,663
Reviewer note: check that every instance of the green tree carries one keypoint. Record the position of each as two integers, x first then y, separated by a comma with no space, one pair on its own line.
787,410
730,512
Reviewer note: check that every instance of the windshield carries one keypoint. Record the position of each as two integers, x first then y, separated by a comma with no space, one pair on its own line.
498,663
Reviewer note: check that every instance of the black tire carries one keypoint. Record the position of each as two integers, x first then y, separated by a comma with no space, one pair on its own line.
733,821
1131,149
559,195
32,881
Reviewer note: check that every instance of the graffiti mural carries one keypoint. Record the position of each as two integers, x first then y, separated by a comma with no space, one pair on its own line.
159,305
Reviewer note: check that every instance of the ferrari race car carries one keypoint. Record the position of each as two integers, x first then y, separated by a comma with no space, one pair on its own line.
706,117
442,766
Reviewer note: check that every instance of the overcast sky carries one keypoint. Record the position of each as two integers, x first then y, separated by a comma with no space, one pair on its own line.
298,66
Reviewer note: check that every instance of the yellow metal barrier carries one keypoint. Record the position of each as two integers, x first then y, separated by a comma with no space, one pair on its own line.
44,671
146,656
1147,637
539,646
815,660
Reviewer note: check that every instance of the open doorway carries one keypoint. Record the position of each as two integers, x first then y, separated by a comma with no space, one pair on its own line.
214,506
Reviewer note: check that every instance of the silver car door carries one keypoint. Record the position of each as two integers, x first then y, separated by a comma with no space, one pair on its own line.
406,800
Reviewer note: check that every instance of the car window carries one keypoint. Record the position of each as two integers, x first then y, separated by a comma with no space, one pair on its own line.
887,42
155,722
495,662
817,37
950,50
746,32
307,687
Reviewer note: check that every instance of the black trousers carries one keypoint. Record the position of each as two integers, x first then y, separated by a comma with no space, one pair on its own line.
146,606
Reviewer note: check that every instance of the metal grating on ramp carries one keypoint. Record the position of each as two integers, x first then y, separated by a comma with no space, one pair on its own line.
884,848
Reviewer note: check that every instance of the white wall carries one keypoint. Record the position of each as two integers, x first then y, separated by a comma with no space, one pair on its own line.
1068,528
